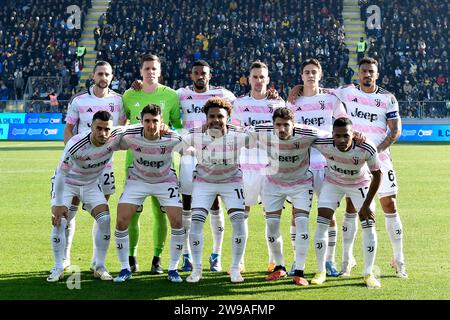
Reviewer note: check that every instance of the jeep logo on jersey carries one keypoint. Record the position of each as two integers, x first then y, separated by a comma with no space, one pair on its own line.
195,109
313,121
163,149
153,164
288,158
344,171
365,115
251,122
355,160
96,165
322,105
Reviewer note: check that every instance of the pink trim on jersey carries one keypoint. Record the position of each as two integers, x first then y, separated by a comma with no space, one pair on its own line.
289,183
96,155
71,120
339,159
170,180
315,106
362,183
252,167
254,109
291,146
341,115
317,165
216,172
383,156
228,180
219,147
150,150
152,174
185,96
366,101
189,124
303,164
368,129
84,109
72,182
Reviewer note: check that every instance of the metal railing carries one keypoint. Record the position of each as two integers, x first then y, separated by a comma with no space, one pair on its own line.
424,109
33,106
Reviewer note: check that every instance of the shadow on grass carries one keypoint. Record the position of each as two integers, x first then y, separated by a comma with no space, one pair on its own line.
143,286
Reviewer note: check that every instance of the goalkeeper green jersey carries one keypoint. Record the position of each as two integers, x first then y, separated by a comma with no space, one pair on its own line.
165,97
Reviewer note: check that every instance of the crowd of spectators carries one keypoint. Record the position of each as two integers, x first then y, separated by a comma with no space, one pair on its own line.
36,40
229,35
411,47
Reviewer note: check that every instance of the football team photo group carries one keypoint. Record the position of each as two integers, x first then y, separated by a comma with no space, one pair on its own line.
224,150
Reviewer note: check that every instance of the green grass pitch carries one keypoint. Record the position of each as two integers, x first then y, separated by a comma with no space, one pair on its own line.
25,251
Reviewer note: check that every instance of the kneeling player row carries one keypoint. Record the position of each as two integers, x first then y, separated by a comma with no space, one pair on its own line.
216,148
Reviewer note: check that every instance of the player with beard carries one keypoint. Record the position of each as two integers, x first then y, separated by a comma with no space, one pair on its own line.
192,99
80,112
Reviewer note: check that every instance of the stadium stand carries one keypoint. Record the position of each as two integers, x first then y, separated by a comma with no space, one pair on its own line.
411,46
412,49
36,40
229,35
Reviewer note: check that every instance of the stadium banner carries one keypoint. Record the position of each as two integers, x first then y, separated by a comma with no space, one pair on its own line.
12,118
4,131
33,118
425,132
30,118
36,132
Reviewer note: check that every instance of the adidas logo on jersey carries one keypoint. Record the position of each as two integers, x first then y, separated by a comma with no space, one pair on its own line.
137,104
355,100
393,185
89,110
246,110
138,150
189,98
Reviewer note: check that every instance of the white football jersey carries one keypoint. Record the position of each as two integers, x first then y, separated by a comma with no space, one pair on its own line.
369,112
288,159
348,168
318,111
83,105
152,159
82,163
248,111
191,104
218,158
